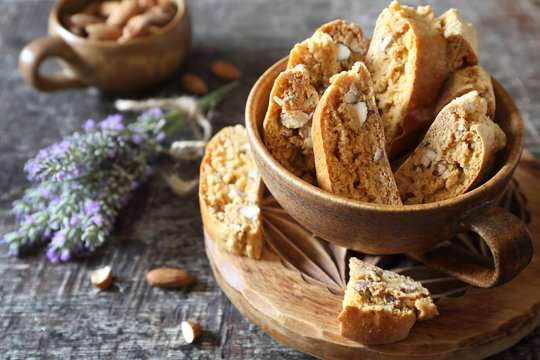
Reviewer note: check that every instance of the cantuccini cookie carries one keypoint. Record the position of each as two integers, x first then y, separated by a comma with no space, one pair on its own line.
381,306
230,192
463,81
456,152
287,124
461,40
407,61
334,47
348,141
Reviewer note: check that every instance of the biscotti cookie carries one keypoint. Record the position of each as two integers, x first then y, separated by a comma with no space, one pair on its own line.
407,61
381,306
287,124
334,47
230,191
456,153
463,81
461,40
348,141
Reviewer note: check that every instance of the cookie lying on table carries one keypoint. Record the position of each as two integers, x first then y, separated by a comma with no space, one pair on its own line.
381,306
407,61
230,191
456,153
348,141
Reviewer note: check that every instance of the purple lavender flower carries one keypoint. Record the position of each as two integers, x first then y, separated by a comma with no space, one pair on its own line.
74,221
28,219
112,122
160,136
90,207
65,255
137,139
155,113
13,252
59,238
89,125
45,192
98,219
53,255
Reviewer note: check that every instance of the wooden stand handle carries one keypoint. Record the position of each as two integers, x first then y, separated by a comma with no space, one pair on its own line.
506,236
38,50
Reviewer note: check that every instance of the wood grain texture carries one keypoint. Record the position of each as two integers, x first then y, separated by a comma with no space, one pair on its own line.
52,311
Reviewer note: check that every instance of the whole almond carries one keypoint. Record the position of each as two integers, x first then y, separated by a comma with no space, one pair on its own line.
107,7
83,20
194,84
103,32
225,70
169,277
125,11
158,16
136,26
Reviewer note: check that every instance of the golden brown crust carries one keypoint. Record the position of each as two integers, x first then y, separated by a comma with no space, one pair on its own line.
466,80
381,306
230,192
407,61
456,153
348,141
461,41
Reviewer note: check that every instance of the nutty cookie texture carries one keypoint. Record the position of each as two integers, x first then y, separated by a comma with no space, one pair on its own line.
381,306
230,192
348,141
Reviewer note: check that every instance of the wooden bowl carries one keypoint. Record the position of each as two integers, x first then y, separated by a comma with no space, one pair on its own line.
420,230
107,65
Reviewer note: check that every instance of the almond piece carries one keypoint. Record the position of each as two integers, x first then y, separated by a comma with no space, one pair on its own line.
343,52
225,70
137,26
190,331
101,278
194,84
169,277
83,20
103,31
125,11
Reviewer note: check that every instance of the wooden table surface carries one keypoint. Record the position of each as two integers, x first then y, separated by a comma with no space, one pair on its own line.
51,310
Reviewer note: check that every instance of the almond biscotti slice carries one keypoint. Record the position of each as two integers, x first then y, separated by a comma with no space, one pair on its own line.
348,141
463,81
457,152
381,306
287,124
334,47
230,192
407,61
461,40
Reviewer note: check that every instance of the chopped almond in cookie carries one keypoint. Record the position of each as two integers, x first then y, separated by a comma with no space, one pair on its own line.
381,306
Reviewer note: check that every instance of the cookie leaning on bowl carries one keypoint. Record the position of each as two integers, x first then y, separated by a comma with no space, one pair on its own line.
287,124
230,192
407,61
456,153
381,306
348,141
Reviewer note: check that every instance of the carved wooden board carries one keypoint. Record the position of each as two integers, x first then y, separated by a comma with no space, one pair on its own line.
294,292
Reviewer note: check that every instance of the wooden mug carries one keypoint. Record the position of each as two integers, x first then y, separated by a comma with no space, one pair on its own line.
421,230
108,65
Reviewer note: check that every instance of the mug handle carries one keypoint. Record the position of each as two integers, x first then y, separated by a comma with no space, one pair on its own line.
33,54
507,237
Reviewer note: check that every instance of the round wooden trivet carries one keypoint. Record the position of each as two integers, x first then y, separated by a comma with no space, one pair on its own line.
294,292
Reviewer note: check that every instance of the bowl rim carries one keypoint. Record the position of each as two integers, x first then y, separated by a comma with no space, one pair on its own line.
476,196
54,19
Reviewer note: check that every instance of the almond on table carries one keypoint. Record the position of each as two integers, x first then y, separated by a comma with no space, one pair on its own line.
225,70
194,84
169,278
101,278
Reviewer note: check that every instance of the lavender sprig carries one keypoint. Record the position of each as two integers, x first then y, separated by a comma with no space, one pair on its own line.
83,181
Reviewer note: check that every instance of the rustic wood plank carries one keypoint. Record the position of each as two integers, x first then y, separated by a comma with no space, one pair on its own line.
52,311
